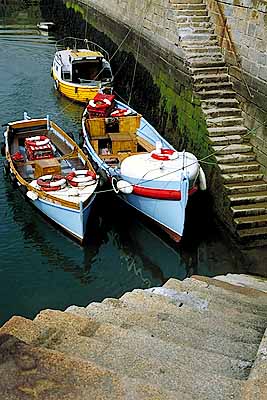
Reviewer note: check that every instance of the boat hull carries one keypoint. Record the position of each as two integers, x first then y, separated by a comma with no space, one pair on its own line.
78,93
72,221
167,214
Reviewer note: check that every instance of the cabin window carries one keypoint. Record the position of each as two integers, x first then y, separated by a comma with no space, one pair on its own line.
66,76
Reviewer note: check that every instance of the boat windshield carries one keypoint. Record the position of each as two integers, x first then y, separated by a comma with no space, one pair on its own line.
89,70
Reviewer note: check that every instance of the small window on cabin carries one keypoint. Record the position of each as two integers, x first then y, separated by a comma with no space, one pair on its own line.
57,68
66,76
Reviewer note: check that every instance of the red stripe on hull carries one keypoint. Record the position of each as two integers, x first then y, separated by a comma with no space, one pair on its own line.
161,194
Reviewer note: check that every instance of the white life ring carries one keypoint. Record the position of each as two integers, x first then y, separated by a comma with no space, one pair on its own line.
121,112
100,104
49,183
82,177
37,140
164,155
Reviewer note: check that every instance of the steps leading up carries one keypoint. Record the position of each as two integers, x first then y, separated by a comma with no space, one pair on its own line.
211,81
196,339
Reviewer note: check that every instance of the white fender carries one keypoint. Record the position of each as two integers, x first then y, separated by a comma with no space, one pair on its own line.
125,187
32,195
202,179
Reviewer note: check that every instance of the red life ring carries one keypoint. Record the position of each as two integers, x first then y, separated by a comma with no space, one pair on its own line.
120,112
82,177
99,104
37,140
164,155
50,183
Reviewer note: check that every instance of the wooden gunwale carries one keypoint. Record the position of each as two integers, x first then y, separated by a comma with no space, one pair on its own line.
41,194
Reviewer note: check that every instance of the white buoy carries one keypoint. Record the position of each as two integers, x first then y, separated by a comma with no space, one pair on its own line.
124,187
202,179
32,195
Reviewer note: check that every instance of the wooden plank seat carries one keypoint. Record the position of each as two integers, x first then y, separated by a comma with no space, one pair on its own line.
145,144
63,147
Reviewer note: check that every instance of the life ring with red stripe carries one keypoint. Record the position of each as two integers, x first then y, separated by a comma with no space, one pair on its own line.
50,183
164,155
120,112
37,140
82,177
99,104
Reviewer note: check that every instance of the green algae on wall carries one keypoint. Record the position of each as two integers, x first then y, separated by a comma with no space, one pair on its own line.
185,125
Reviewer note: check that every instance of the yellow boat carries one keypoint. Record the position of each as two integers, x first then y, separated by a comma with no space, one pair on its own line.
81,69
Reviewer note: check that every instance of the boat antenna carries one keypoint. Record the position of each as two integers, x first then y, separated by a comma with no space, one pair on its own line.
86,22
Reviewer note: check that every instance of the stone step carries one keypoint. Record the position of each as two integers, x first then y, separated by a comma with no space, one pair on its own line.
188,12
219,102
232,148
30,372
246,187
232,177
200,50
183,28
235,297
249,209
251,221
224,121
191,312
198,43
195,25
191,19
189,6
156,324
200,60
216,94
255,233
248,198
206,62
222,112
225,140
196,54
240,167
186,1
198,79
132,343
209,70
235,158
227,130
211,86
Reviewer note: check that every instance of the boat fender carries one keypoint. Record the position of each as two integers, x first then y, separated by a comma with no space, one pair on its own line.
164,155
124,187
37,140
56,85
32,195
50,183
6,167
82,177
202,180
3,149
13,179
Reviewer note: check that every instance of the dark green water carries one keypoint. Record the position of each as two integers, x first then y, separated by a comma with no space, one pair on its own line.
39,266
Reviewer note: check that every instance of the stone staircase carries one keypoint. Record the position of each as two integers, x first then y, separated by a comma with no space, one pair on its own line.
243,181
199,339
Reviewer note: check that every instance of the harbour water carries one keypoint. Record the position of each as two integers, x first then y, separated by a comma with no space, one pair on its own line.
42,268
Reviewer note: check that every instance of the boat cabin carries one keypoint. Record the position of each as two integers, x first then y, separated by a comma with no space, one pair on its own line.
82,66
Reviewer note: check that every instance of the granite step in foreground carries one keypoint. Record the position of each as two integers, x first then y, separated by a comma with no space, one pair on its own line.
197,339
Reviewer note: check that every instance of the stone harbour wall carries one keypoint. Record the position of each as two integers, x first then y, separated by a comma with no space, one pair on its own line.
241,27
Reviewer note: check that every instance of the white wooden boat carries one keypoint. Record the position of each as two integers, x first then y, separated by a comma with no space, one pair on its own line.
80,69
144,169
51,171
46,26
